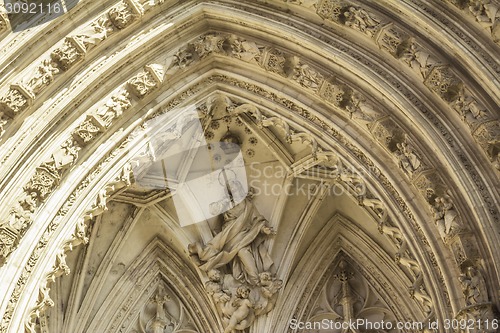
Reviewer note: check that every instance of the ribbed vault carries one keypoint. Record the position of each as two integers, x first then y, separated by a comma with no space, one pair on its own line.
399,100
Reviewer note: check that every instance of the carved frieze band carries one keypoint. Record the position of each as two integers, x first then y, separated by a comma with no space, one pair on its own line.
72,49
436,74
48,175
485,12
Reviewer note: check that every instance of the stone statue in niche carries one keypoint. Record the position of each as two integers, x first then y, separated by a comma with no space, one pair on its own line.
446,217
473,286
408,160
248,289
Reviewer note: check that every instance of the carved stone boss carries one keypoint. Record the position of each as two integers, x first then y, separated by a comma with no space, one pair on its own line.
48,175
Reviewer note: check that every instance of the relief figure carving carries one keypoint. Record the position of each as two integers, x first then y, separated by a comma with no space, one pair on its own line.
241,241
446,217
473,286
360,19
408,159
43,76
248,289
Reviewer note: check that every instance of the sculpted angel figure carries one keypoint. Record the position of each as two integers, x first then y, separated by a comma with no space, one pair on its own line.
360,19
241,241
44,75
243,315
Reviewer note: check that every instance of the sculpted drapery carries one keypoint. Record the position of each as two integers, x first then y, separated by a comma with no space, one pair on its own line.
240,243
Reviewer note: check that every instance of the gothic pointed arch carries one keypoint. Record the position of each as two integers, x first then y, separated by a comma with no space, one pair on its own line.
384,114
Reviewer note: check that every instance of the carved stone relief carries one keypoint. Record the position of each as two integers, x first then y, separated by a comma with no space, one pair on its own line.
94,34
347,297
79,236
442,81
435,73
163,313
71,51
43,76
485,12
478,307
365,199
4,19
145,82
123,14
487,136
17,99
392,39
48,175
238,264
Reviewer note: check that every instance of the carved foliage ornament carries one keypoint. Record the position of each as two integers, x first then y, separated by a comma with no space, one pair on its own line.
79,236
435,73
49,174
17,99
71,51
123,14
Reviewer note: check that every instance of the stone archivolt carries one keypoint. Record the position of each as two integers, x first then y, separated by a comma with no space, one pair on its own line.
49,174
436,75
71,51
